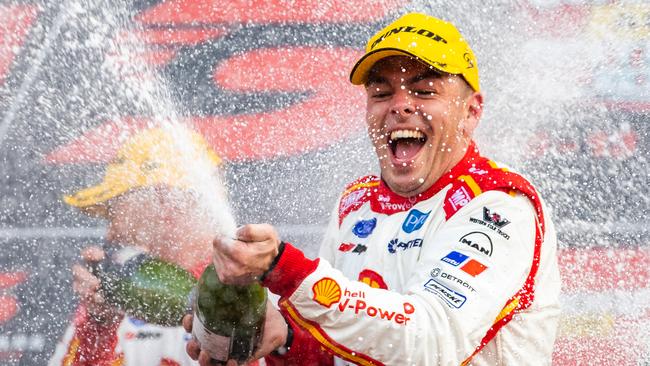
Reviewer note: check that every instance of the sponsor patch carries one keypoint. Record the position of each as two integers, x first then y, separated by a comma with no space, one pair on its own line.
459,198
351,247
372,279
326,291
143,335
449,296
454,258
471,267
360,248
494,218
395,245
355,301
414,221
136,322
395,207
346,247
478,241
351,199
477,171
363,228
486,221
437,272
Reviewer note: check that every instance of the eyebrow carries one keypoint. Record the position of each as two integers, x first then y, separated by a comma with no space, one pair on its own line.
373,78
425,75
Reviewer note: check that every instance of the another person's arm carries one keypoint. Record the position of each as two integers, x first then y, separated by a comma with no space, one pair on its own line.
91,339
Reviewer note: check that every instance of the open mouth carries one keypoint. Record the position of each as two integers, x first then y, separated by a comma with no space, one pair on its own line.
405,144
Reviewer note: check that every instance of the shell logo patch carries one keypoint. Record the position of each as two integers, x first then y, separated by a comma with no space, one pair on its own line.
372,279
326,291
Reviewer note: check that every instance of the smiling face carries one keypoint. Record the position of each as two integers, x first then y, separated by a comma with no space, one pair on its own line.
419,120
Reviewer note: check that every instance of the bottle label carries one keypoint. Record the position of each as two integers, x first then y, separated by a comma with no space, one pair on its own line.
217,346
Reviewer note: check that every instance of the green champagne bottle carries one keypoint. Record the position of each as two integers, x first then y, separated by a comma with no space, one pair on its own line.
228,320
143,286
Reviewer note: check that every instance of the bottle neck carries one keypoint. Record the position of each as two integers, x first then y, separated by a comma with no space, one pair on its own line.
123,260
191,256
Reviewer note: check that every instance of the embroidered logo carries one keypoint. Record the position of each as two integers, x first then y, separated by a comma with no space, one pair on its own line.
414,221
326,291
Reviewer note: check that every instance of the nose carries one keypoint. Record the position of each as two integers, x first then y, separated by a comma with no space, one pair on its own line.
402,104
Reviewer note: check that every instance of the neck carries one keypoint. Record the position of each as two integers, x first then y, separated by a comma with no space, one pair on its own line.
455,158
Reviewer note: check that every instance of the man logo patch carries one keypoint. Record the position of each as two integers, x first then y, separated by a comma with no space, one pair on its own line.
363,228
478,241
414,221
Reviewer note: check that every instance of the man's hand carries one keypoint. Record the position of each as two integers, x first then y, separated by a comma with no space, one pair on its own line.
274,336
87,287
245,259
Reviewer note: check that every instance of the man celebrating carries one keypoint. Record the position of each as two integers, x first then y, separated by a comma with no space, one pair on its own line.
150,202
448,258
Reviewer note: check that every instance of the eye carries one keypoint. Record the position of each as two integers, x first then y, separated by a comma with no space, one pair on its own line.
424,93
381,95
375,92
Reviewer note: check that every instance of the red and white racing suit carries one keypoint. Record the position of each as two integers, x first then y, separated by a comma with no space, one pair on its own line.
130,342
464,273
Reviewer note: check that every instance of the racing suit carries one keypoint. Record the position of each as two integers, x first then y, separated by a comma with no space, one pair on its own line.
464,273
129,342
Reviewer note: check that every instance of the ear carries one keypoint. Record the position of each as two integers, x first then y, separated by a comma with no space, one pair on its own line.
473,113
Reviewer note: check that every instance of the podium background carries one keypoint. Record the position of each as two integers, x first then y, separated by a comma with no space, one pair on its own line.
567,88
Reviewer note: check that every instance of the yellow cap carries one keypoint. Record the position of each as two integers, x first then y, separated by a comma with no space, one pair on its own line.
152,157
434,41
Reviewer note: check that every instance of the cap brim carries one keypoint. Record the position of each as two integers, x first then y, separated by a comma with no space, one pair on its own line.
360,71
93,200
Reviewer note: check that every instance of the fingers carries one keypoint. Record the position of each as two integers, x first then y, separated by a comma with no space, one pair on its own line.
187,322
244,260
92,254
206,360
275,332
88,287
256,233
84,284
193,349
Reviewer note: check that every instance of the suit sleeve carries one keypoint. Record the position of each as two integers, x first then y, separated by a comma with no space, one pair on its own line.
452,297
304,349
87,342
